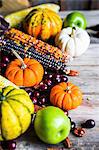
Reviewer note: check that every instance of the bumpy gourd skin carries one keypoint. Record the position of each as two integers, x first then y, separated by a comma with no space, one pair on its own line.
16,109
73,41
42,23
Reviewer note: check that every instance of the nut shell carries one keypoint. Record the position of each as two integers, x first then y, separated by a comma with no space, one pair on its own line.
79,132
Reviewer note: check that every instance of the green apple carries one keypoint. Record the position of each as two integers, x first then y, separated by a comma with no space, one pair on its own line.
51,125
75,19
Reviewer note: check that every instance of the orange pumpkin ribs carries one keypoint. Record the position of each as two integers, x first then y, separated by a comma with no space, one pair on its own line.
66,95
27,76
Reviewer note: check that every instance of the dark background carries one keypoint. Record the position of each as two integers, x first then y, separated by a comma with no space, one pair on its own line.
9,6
71,4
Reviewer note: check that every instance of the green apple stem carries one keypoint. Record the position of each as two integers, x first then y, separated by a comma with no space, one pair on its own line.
21,60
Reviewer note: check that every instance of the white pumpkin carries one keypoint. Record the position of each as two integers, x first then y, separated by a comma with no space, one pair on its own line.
74,41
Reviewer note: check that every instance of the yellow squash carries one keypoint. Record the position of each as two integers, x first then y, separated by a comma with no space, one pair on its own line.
16,109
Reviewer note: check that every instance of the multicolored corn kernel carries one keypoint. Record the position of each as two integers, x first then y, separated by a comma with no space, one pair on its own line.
28,46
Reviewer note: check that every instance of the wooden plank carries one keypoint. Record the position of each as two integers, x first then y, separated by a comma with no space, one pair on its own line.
85,62
86,85
88,81
86,72
33,143
88,110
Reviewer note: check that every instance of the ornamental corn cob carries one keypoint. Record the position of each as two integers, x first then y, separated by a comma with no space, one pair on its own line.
28,46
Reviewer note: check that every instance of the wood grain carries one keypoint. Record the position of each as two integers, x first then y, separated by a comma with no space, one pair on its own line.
88,81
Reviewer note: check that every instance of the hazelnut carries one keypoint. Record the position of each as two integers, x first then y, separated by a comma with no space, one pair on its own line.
79,132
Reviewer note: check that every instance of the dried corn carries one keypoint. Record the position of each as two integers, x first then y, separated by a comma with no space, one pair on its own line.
28,46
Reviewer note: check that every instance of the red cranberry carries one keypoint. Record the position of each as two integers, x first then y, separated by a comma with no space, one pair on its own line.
36,108
49,76
45,73
57,80
43,87
4,144
36,94
66,112
34,99
42,100
64,79
48,82
5,59
56,76
3,65
11,145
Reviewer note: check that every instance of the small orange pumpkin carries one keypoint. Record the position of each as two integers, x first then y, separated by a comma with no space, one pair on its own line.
66,96
22,75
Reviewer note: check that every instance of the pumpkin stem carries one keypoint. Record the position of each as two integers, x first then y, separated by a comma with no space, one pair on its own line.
2,97
21,60
72,34
68,89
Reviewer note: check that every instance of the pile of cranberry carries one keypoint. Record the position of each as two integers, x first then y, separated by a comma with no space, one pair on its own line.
40,94
40,97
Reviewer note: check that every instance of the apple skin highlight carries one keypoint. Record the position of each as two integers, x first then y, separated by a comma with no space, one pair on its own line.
75,19
51,125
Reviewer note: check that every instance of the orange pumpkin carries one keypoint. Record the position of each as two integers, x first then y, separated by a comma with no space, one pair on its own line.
28,75
66,96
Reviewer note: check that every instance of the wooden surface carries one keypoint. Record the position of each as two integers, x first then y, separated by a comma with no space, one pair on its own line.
88,81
